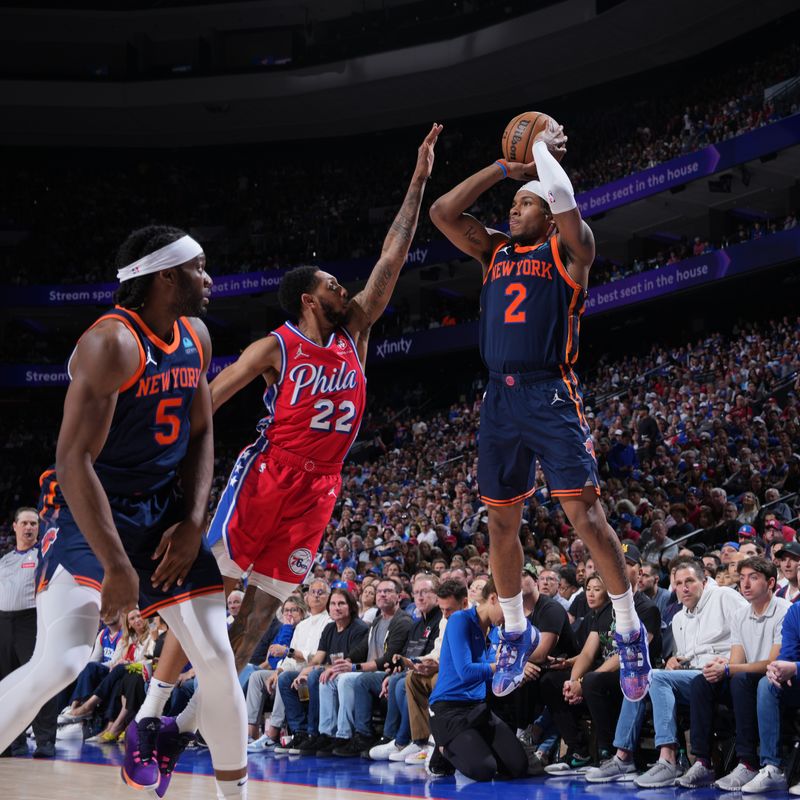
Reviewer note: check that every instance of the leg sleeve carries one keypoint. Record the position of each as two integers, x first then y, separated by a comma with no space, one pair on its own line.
201,628
67,619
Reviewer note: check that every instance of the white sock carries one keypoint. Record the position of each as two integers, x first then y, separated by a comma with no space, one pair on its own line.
232,790
187,719
157,695
625,612
514,613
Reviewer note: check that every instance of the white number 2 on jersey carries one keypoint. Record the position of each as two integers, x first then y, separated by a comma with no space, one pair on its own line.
322,421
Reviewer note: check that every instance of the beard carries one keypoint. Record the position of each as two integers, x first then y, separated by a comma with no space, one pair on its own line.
190,297
332,316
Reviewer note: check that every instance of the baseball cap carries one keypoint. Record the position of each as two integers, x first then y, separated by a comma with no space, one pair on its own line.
340,585
790,549
734,545
530,569
746,532
631,552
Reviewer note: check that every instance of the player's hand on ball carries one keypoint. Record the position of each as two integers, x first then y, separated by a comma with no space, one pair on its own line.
555,139
177,550
119,592
425,153
521,172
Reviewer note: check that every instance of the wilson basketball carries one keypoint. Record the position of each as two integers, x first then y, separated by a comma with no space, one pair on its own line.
517,142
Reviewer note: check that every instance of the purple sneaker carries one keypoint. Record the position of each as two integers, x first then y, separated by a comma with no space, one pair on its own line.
169,746
634,661
140,768
512,654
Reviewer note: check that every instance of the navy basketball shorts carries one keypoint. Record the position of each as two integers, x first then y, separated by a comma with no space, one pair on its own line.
527,417
140,522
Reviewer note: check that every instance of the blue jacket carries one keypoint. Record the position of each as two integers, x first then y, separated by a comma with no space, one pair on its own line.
790,643
464,663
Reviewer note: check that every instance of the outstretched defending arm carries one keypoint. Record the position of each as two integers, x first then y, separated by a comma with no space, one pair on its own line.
260,358
368,305
449,215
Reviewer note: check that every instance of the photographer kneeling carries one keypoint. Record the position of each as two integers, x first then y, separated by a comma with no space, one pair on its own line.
469,737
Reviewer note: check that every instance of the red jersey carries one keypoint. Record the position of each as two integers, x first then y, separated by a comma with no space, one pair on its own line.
315,408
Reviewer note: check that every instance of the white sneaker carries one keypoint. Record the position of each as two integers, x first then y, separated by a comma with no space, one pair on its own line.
420,757
795,789
261,745
769,779
383,752
409,750
69,732
696,776
735,779
66,717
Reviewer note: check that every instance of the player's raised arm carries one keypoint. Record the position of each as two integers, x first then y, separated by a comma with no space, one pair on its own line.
260,358
448,213
106,358
368,305
576,241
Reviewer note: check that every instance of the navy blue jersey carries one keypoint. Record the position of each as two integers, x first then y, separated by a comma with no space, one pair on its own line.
530,310
149,431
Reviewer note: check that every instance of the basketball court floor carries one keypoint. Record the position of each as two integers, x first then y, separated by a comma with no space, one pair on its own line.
88,772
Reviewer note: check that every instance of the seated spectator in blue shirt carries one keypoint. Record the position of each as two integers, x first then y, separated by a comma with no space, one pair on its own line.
469,736
778,693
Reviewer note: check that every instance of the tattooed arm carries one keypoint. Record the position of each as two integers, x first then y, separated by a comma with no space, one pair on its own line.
449,215
368,305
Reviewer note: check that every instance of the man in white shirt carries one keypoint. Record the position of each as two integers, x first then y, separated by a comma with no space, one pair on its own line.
755,642
702,632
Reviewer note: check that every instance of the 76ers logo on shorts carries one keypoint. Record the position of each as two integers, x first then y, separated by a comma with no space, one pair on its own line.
300,561
48,539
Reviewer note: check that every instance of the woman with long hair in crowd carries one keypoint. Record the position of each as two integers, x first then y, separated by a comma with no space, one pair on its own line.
122,691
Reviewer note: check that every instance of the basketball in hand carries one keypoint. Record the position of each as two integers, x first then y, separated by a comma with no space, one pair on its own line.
517,142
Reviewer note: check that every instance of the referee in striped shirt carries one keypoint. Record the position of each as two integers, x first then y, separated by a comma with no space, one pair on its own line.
18,625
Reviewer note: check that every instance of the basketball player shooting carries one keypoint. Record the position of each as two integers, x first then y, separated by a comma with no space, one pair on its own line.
534,290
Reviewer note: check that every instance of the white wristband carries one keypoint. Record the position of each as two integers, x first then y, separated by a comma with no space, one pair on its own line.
556,184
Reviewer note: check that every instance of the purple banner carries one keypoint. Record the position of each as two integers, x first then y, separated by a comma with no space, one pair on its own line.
738,259
102,294
693,272
423,343
43,375
723,155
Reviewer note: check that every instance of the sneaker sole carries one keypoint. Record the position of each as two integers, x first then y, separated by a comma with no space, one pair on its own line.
628,778
663,785
128,781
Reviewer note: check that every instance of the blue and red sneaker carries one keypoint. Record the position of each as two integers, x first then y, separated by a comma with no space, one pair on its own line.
512,655
634,664
140,768
169,746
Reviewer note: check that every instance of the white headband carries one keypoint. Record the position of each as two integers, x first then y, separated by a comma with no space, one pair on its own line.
178,252
534,187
